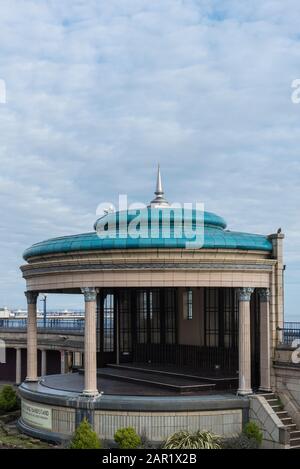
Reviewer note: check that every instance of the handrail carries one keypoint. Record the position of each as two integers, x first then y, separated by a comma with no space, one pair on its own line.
291,332
56,324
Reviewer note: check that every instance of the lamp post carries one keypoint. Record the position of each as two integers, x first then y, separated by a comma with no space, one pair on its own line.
44,300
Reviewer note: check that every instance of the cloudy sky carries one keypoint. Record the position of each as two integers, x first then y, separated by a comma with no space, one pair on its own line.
99,91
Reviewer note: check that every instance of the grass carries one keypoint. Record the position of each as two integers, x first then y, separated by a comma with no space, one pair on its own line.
10,437
15,439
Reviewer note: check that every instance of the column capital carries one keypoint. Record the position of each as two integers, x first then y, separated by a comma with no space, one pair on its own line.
244,294
90,293
31,297
264,295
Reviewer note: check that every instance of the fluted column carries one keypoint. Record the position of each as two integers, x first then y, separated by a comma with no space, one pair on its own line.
265,369
90,351
44,363
62,362
18,366
244,296
31,336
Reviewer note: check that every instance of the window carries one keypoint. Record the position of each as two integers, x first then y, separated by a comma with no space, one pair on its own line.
108,322
155,316
170,316
188,304
212,317
142,317
221,317
125,322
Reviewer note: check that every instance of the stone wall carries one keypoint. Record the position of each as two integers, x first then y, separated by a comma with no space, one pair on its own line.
274,433
157,426
288,385
55,416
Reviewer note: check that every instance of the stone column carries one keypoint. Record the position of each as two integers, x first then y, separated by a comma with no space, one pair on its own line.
265,368
31,336
44,363
69,361
90,351
277,297
77,359
244,296
18,366
62,362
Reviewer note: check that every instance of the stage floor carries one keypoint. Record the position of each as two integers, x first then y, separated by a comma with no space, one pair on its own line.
186,371
141,380
74,382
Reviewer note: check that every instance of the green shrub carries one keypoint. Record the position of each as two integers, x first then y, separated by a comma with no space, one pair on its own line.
8,398
188,440
85,437
252,431
127,438
240,442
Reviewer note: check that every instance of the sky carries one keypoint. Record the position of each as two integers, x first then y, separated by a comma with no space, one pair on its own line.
98,92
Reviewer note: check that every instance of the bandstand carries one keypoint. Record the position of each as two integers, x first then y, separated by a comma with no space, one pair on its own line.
175,336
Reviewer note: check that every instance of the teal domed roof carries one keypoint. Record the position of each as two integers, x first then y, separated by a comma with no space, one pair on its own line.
112,231
157,226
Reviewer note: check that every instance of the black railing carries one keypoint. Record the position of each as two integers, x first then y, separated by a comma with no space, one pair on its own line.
54,324
202,358
291,332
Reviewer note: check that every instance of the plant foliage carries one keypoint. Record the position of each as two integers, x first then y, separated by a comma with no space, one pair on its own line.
252,431
188,440
85,437
127,438
8,398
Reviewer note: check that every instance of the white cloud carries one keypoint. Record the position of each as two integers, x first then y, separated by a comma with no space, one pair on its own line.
98,92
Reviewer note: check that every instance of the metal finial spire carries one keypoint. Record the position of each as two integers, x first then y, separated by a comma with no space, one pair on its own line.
159,189
159,200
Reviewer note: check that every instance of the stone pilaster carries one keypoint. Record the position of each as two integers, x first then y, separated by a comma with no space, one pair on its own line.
62,362
244,296
31,336
44,363
277,306
90,351
18,366
265,362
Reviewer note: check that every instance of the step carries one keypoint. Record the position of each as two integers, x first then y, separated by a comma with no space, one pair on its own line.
294,447
268,396
290,426
171,373
274,407
294,442
295,434
168,382
287,420
282,414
